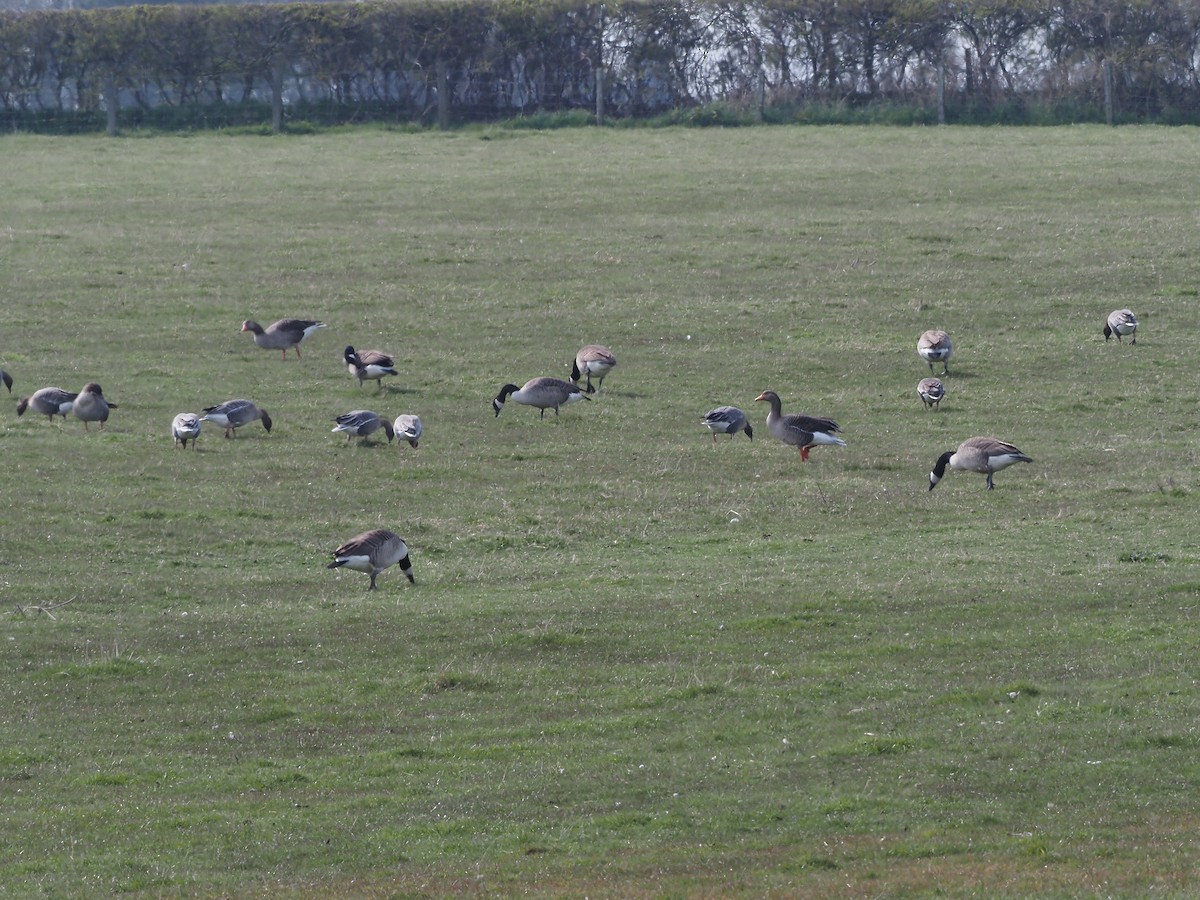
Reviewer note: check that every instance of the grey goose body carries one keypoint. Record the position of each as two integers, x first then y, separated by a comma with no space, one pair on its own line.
372,552
542,393
408,428
284,335
90,405
185,427
49,401
931,391
727,420
800,431
233,414
362,423
1121,322
985,455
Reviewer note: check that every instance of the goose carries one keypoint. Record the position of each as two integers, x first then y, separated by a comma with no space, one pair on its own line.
185,427
372,552
362,423
985,455
800,431
727,420
1119,322
234,414
544,393
369,365
594,359
935,346
408,428
931,391
90,405
49,401
282,334
7,379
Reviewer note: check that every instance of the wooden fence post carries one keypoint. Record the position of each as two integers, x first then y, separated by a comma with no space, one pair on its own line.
1108,92
110,104
941,92
599,95
762,95
443,94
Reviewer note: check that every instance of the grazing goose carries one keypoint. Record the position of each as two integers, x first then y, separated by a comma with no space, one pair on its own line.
544,393
408,428
931,391
185,427
935,346
369,365
800,431
1119,322
594,359
91,405
362,423
282,334
234,414
7,379
727,420
978,454
49,401
372,552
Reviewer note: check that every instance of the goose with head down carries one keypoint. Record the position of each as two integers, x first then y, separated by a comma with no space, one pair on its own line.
185,427
594,359
362,423
282,335
726,420
369,365
985,455
802,432
1121,322
49,401
542,393
372,552
233,414
408,428
931,391
935,346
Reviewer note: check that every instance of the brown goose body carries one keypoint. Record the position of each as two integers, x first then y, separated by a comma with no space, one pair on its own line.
369,365
283,335
935,346
92,406
542,393
372,552
594,359
985,455
931,391
49,401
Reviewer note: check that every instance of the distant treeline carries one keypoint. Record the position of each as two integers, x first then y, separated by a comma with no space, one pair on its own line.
468,60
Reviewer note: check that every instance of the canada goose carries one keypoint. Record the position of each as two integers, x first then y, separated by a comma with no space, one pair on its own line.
7,379
282,334
799,431
408,428
727,420
931,391
49,401
594,359
369,365
372,552
185,427
1119,322
935,346
362,423
234,414
91,406
978,454
544,393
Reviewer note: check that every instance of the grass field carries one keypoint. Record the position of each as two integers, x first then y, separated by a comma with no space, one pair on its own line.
633,663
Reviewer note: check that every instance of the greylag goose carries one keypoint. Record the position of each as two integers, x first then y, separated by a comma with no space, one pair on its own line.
49,401
372,552
185,427
931,391
544,393
234,414
935,346
803,432
362,423
594,359
369,365
985,455
408,428
91,405
1119,322
7,379
282,335
727,420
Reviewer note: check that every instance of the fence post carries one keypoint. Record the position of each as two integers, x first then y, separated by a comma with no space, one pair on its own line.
110,104
277,98
762,95
599,95
941,92
1108,92
443,94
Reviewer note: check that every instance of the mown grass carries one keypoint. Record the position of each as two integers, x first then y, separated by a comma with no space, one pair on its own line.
633,663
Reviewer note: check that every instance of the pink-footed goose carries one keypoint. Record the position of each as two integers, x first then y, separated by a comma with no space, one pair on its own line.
49,401
233,414
282,335
185,427
727,420
1121,322
92,406
362,423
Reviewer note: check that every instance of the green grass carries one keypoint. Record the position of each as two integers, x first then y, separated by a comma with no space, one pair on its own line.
633,663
